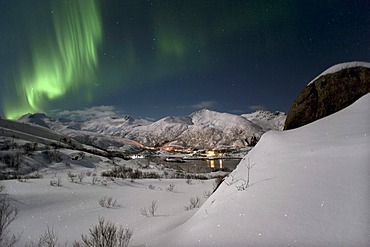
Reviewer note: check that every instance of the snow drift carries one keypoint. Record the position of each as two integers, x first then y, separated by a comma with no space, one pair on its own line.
308,187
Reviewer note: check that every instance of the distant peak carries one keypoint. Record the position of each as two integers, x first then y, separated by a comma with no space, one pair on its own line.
36,115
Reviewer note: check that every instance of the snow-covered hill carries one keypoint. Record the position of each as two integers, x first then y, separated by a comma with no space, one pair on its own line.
267,120
202,129
308,187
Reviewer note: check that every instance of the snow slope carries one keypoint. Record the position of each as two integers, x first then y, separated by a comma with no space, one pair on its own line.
308,187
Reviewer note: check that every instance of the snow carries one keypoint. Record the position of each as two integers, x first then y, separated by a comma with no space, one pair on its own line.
309,187
341,66
72,208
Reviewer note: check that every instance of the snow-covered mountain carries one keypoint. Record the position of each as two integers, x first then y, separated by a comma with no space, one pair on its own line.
267,120
304,187
202,129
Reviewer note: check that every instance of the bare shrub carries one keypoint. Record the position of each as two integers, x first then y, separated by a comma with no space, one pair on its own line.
150,211
230,180
105,234
243,186
194,203
81,176
52,155
56,182
171,187
249,167
71,176
30,147
189,181
48,239
12,160
94,180
22,179
108,202
8,214
207,194
152,187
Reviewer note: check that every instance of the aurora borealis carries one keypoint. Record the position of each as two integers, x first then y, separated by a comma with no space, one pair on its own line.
155,58
63,61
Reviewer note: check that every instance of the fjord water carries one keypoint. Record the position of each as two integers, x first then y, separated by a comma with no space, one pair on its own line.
198,165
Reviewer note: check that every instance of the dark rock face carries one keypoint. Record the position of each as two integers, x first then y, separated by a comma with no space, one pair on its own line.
327,95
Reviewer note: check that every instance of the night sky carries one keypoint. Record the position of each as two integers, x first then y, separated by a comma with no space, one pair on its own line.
156,58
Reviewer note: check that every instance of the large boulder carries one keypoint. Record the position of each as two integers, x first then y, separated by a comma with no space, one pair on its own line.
333,90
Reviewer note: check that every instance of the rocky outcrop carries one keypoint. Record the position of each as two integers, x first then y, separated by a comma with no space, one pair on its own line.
328,94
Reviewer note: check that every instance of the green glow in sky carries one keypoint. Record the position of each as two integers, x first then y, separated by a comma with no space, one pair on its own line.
63,60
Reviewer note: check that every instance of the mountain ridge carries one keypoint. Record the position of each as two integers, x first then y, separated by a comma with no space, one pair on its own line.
201,129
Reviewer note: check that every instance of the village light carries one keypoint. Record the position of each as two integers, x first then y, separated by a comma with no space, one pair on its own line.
210,153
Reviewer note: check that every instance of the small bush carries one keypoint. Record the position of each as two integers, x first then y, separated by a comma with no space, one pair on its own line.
30,147
57,182
12,160
49,239
108,202
94,180
207,194
105,234
22,179
150,211
152,187
194,203
7,215
81,176
243,186
52,155
71,176
171,187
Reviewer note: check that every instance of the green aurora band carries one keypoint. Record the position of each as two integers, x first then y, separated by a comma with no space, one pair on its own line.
63,61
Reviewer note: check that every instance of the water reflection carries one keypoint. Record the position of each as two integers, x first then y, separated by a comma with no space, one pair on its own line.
218,163
203,165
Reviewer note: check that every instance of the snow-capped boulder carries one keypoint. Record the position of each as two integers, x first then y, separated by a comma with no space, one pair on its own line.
333,90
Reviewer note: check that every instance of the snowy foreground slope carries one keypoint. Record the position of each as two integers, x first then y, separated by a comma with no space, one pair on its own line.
308,187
